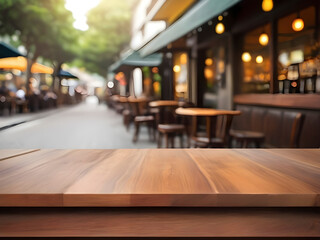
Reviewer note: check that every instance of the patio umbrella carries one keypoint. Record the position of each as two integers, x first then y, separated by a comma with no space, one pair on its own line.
8,51
20,63
66,74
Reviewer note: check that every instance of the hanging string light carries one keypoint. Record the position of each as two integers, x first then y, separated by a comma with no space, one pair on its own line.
298,24
267,5
246,57
220,27
259,59
264,39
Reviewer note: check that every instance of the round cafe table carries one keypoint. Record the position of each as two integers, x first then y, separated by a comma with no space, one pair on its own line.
166,108
166,103
218,122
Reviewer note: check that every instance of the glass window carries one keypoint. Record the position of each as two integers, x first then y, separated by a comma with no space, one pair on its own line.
256,61
296,56
214,74
180,76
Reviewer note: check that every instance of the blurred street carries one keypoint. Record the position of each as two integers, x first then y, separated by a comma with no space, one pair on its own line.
87,125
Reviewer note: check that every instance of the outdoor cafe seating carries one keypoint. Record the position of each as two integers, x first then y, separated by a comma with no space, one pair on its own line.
141,116
217,122
167,122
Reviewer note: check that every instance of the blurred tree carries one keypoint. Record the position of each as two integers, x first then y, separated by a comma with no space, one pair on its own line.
43,28
109,32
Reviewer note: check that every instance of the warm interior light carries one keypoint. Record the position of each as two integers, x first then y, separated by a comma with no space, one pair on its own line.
294,84
264,39
208,62
110,84
183,58
176,68
267,5
219,28
246,57
297,24
208,73
155,70
220,18
259,59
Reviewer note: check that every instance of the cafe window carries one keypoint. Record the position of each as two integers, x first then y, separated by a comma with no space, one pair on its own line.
214,74
180,75
297,52
256,61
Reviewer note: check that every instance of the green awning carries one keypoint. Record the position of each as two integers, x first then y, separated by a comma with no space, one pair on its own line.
7,51
133,58
200,13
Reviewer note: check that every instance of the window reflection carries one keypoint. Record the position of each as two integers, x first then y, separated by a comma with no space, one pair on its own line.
256,61
297,70
180,70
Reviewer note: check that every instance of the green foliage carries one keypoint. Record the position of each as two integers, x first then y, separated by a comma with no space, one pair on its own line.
43,27
109,32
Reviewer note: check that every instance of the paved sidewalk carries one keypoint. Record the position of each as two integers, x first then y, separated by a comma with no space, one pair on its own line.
19,118
86,125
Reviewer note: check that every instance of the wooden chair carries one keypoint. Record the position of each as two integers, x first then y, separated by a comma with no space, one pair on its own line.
169,131
217,123
217,131
140,116
168,124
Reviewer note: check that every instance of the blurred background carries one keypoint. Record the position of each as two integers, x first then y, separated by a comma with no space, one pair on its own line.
159,73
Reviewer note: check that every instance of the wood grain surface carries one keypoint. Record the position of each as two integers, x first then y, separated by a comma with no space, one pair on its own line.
160,222
304,101
164,103
162,177
9,153
205,112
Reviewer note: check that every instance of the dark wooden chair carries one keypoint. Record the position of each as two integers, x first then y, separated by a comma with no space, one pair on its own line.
217,125
140,115
169,125
169,131
217,131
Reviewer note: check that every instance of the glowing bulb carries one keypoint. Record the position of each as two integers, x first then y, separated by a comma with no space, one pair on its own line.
264,39
259,59
220,18
267,5
208,62
176,68
297,24
219,28
294,84
110,84
246,57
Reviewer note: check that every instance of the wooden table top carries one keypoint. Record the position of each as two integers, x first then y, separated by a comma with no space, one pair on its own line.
205,112
160,177
137,100
164,103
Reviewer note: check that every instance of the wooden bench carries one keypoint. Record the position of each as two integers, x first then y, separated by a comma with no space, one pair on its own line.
275,127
